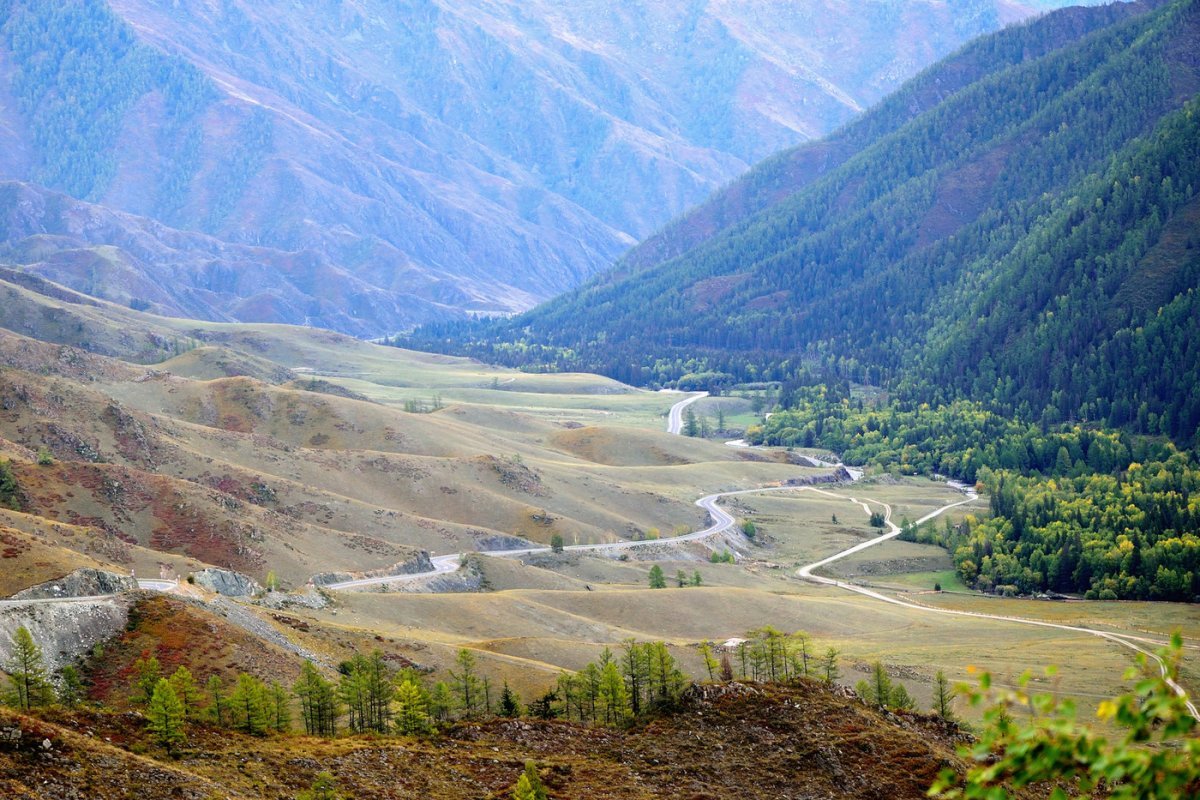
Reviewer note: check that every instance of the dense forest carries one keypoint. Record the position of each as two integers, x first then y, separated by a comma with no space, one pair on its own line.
1074,509
79,72
1029,241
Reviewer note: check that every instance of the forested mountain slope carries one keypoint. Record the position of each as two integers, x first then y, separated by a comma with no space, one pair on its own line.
467,156
1017,225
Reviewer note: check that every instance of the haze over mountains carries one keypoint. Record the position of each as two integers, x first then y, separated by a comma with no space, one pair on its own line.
1016,226
365,167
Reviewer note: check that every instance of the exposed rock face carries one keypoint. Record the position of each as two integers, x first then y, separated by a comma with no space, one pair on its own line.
66,629
227,582
419,563
85,582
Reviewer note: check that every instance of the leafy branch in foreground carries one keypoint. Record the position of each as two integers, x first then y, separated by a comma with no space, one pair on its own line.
1157,756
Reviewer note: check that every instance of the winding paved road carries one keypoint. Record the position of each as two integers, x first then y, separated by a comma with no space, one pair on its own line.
675,416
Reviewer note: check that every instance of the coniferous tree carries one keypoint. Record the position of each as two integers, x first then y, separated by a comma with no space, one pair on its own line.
279,710
70,689
510,702
146,672
943,697
318,701
881,685
412,707
441,701
165,716
324,787
466,682
529,784
28,684
900,698
186,690
613,697
249,707
829,665
217,710
710,663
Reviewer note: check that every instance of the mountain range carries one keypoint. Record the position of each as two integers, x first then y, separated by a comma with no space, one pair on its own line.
368,166
1016,225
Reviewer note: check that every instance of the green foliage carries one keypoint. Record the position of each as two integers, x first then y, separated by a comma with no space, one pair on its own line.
943,697
510,703
10,490
412,707
467,684
657,579
1156,756
44,457
217,711
556,543
829,665
165,716
1026,240
70,688
324,787
618,689
878,520
28,685
723,557
529,784
186,690
79,71
250,706
146,674
749,529
318,701
366,690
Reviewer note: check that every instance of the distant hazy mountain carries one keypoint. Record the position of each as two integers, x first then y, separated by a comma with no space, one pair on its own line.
476,155
1018,225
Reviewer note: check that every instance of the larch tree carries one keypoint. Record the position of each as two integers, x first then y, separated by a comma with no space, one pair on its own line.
165,715
186,690
28,684
943,697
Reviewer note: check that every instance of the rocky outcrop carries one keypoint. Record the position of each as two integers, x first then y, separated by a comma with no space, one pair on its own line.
227,582
65,629
419,563
85,582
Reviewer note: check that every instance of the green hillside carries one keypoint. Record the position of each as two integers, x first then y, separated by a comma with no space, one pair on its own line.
1016,226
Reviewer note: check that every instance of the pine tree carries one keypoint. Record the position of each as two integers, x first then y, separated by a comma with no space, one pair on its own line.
70,689
466,681
691,426
696,579
278,707
186,690
510,703
146,672
657,579
323,787
317,701
529,784
829,666
881,685
412,708
165,714
28,684
217,710
440,701
943,697
248,705
614,699
900,698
